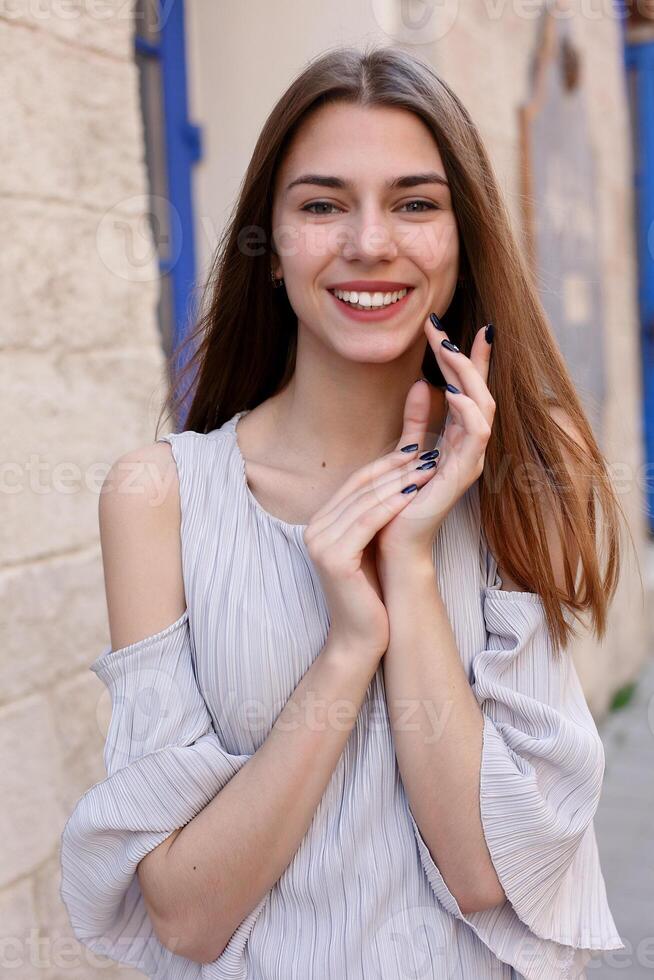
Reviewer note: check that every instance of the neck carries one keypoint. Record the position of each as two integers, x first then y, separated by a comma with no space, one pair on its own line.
341,416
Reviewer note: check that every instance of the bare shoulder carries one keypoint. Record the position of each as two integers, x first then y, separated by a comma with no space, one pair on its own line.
139,520
150,468
562,418
141,488
579,474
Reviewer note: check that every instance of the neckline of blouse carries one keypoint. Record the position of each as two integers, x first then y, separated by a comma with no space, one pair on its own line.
297,530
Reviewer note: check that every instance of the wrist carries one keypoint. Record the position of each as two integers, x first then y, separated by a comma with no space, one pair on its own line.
350,657
406,567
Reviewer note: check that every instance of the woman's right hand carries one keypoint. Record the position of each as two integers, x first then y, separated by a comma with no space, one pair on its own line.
339,540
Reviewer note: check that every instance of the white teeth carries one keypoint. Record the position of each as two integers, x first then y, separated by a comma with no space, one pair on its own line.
369,300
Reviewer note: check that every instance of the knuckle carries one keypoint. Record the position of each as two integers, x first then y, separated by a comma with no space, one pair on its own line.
367,518
484,430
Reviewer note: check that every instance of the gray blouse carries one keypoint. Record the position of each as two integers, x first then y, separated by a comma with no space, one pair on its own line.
362,898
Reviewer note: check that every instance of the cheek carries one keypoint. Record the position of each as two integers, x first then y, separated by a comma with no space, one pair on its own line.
437,247
308,245
323,242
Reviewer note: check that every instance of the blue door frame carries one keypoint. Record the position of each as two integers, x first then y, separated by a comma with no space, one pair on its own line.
183,148
639,62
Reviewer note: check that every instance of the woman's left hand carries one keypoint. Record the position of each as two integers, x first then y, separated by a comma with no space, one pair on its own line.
410,535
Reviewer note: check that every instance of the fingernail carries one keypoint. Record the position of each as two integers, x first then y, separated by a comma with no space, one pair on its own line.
410,488
489,332
450,345
422,379
453,389
411,448
427,466
432,454
437,323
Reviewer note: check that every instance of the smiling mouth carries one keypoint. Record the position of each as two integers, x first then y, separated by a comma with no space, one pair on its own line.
370,301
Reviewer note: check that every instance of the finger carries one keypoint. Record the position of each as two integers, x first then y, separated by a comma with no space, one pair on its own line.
480,353
436,336
361,478
417,412
465,374
364,516
472,384
476,430
482,346
395,479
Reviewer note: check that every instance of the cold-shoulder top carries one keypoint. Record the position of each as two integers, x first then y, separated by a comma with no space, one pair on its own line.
362,897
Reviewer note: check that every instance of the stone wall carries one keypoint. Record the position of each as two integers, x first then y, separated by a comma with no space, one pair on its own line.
80,383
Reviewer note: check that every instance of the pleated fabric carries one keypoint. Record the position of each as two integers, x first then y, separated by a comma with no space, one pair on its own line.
362,898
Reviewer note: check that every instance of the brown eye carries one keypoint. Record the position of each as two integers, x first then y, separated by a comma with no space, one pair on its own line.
428,204
318,204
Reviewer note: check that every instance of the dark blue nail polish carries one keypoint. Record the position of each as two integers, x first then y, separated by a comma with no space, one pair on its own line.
437,323
453,389
411,488
432,454
410,448
489,333
450,345
427,466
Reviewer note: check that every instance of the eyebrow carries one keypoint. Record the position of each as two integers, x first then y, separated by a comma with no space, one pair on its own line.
410,180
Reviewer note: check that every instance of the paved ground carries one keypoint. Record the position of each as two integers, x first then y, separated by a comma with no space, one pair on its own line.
625,827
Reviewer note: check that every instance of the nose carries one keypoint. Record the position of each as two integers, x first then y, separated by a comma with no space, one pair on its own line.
369,236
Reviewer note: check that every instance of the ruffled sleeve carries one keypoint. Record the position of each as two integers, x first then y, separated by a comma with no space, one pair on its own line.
542,766
164,763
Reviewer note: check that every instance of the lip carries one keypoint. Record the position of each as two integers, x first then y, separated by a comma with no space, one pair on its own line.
374,316
370,286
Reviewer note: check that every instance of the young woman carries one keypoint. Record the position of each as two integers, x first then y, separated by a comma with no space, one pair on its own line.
348,739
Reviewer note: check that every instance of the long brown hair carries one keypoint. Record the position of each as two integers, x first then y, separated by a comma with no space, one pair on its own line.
244,341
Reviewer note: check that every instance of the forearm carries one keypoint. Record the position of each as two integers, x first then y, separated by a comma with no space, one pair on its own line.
437,729
227,858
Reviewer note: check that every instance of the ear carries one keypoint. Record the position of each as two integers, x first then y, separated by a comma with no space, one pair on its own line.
275,264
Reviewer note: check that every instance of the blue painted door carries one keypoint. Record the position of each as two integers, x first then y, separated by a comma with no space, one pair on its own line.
639,59
173,145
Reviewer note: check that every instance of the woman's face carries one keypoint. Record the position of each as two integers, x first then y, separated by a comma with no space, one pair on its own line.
353,227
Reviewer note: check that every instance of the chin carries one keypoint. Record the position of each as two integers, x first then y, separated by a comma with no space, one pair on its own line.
372,349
